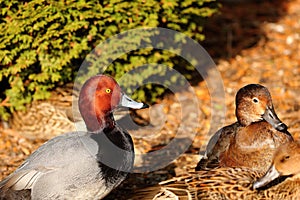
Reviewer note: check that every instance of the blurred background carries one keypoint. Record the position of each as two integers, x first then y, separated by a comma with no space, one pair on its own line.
43,44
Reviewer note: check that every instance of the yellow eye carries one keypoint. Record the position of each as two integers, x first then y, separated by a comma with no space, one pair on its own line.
108,90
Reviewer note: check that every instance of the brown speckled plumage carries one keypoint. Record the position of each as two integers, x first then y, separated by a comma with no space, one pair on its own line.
252,140
234,183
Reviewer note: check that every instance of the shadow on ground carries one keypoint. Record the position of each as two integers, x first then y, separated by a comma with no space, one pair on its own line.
238,26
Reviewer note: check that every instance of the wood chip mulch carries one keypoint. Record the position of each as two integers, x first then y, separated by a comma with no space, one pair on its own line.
251,42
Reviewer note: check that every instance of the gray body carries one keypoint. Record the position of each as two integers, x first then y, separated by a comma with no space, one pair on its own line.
71,166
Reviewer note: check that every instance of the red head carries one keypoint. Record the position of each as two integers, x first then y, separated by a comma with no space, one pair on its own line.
98,97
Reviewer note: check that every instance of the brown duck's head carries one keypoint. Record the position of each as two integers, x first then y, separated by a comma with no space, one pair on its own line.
253,104
286,162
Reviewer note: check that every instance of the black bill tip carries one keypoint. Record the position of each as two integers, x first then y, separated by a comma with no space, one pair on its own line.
145,106
281,127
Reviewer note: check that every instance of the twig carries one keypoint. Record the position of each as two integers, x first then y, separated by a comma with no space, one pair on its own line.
4,102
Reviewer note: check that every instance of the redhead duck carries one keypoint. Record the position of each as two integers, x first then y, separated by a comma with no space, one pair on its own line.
250,141
282,181
80,165
55,115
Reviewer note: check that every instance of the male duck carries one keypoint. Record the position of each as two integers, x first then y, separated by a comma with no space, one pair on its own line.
282,181
55,115
250,141
80,165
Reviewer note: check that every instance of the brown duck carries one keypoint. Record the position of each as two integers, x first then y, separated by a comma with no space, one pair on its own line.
252,140
281,181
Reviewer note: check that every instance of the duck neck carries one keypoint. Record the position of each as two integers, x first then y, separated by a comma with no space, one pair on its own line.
242,117
97,124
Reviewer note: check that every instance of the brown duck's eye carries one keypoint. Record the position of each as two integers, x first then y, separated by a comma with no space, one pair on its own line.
108,90
284,158
255,100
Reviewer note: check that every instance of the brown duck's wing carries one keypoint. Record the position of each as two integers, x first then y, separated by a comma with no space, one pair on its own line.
218,144
205,163
172,189
219,183
226,183
154,193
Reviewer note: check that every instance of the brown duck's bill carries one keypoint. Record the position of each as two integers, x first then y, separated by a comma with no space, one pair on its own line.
271,175
126,101
271,117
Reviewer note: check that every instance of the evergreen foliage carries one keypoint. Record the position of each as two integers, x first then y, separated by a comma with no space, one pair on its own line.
43,42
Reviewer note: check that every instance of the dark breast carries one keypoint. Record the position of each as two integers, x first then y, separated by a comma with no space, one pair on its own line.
116,154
